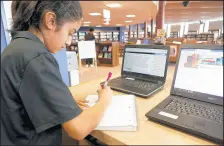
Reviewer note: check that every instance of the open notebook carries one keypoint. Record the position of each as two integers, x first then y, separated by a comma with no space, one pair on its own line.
120,115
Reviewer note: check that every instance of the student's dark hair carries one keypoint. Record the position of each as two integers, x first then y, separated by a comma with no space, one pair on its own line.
91,29
29,13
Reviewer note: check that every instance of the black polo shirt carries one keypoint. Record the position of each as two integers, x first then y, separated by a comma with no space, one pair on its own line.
34,99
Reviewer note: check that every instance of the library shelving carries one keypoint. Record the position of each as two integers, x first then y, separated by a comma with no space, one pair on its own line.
101,36
116,36
201,37
81,36
214,31
141,34
134,34
108,54
97,35
192,32
125,36
174,34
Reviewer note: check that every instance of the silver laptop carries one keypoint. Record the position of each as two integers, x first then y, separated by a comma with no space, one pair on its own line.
143,71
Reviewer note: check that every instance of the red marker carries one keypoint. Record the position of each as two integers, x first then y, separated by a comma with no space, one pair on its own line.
108,78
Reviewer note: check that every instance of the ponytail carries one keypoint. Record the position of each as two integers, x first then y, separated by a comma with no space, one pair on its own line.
22,12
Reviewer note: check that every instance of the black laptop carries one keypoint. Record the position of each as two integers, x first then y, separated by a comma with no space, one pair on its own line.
143,71
195,104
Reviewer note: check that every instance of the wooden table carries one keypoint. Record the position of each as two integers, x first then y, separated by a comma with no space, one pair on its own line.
148,132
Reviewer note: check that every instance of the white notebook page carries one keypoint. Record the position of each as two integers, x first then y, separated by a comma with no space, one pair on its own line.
121,111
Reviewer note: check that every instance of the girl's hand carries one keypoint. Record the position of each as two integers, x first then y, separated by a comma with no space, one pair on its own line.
82,104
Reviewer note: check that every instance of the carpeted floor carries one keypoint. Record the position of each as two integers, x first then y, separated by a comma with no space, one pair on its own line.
88,74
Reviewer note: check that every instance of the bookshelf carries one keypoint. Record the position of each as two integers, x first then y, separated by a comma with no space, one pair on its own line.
103,36
214,31
200,37
141,34
75,38
109,36
174,34
135,34
81,36
108,54
97,35
116,36
192,32
125,36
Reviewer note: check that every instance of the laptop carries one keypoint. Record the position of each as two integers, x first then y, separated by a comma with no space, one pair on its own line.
143,71
195,104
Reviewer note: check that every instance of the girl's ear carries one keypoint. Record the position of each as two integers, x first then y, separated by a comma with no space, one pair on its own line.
49,21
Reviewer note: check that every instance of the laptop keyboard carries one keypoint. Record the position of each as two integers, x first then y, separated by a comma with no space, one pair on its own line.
183,107
135,83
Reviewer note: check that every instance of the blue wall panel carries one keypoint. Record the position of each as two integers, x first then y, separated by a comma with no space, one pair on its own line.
3,39
62,61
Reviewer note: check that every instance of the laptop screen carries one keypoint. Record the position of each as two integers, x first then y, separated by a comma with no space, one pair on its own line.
145,62
200,71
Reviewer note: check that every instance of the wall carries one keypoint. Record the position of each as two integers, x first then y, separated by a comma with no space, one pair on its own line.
62,62
215,25
194,27
175,28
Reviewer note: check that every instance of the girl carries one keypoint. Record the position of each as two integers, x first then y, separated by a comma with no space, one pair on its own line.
35,103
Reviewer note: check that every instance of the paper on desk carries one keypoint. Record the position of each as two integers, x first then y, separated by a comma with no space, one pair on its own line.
120,113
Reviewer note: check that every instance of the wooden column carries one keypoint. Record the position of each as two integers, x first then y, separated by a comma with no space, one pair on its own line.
137,30
160,15
151,28
129,31
145,29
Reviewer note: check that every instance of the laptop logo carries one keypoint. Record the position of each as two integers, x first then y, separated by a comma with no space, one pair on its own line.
168,115
211,98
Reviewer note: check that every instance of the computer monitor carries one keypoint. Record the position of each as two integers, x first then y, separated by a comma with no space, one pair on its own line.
145,62
199,74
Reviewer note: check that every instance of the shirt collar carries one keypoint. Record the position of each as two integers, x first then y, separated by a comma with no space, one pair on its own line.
25,34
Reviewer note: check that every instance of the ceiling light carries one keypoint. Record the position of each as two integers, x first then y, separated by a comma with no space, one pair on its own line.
107,23
130,16
87,22
94,14
115,5
205,12
106,14
86,25
118,24
98,26
128,21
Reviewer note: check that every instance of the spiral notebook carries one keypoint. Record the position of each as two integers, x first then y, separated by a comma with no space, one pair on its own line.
120,115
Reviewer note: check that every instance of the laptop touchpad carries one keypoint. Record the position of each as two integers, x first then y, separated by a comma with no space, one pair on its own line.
199,125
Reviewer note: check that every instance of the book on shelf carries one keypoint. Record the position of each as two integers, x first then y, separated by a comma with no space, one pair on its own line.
109,55
109,48
105,55
105,48
100,55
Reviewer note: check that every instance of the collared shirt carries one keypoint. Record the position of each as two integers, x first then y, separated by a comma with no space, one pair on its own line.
34,99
